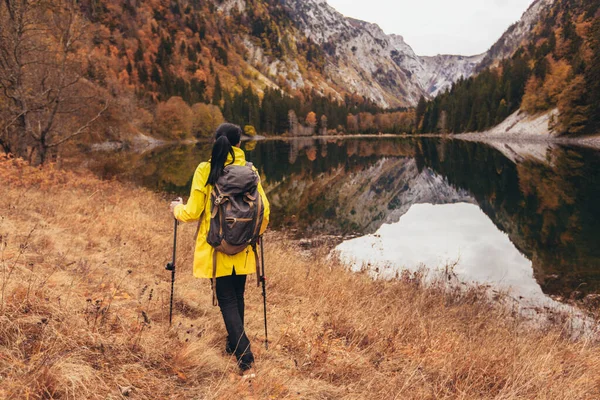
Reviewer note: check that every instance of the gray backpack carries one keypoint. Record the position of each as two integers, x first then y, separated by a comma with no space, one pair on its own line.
237,213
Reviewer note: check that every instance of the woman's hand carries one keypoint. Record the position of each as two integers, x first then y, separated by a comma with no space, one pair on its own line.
175,203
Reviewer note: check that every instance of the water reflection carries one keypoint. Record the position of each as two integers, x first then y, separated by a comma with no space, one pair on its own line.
546,199
550,210
458,239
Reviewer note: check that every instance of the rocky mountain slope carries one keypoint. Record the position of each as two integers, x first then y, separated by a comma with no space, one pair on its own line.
360,58
441,71
364,59
516,34
547,63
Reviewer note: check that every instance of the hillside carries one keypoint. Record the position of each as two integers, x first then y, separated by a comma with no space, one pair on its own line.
556,66
112,69
290,45
516,34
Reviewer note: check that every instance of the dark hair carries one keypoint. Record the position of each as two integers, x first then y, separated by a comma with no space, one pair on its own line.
227,136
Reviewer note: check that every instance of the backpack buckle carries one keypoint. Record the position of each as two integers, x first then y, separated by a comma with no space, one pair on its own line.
219,200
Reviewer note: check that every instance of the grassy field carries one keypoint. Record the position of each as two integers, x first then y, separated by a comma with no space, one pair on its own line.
84,315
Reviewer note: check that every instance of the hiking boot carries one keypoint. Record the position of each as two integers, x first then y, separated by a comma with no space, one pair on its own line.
229,349
246,362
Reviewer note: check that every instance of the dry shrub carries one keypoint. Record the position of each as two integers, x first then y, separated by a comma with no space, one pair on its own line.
84,314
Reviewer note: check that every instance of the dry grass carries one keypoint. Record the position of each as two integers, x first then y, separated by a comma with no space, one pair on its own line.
84,312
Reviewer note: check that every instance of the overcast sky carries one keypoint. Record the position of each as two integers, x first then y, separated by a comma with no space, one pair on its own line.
431,27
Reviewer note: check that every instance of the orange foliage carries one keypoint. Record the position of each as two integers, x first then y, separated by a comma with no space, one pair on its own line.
572,115
532,101
174,119
540,96
311,119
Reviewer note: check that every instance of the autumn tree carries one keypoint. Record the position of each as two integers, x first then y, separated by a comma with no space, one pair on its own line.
174,119
366,122
533,101
573,111
206,119
311,121
293,122
352,123
323,125
249,130
46,102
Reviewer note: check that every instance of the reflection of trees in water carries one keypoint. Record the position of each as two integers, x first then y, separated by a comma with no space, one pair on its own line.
550,211
298,145
323,145
166,169
279,159
346,186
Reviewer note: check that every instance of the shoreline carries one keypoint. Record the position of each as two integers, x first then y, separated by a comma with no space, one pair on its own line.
592,142
143,143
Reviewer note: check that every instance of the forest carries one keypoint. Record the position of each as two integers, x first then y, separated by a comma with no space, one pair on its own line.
91,71
73,73
558,68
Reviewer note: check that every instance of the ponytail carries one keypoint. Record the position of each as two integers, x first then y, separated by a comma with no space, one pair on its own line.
220,150
228,135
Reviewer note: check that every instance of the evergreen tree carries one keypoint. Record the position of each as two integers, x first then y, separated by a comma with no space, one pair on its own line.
420,111
592,80
155,76
217,92
228,107
139,53
142,74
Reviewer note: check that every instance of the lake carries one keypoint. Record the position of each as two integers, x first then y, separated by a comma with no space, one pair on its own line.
520,217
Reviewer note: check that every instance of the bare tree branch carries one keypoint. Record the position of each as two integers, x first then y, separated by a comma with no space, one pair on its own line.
82,129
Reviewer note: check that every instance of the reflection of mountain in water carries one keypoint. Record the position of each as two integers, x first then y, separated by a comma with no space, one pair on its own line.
546,199
550,210
438,236
358,201
348,187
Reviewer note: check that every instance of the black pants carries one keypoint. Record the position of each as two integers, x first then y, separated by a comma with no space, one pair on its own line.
230,294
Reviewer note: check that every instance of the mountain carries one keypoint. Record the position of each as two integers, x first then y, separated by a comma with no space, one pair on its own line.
548,63
367,61
173,69
516,34
442,71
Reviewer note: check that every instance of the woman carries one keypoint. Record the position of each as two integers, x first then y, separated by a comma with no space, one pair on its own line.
231,271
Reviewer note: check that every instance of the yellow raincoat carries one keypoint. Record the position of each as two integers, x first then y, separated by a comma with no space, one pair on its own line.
198,208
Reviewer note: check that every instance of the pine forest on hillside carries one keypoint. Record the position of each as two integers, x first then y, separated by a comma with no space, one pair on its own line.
172,69
558,68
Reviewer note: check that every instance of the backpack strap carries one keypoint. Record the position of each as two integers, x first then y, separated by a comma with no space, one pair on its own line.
213,281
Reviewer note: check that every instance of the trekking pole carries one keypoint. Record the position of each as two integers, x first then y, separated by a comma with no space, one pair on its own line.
171,267
264,289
